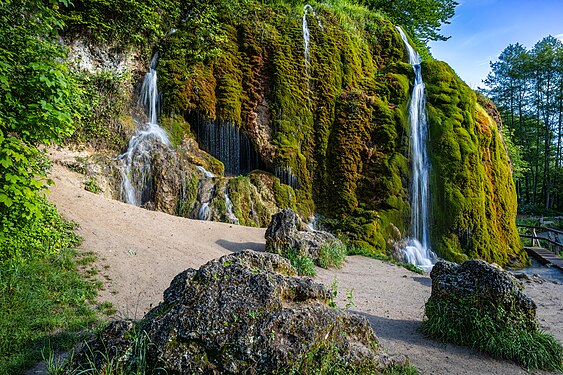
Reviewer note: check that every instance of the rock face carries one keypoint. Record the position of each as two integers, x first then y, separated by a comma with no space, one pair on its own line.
243,313
283,234
482,288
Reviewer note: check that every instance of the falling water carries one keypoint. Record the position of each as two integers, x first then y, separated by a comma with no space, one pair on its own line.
418,250
135,163
306,34
230,214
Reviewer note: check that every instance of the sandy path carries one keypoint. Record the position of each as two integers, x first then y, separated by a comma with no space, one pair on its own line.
393,299
140,252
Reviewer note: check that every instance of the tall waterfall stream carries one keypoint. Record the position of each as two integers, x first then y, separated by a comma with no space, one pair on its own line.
418,250
135,163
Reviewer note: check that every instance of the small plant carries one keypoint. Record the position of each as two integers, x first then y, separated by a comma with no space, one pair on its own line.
107,308
332,254
350,299
333,294
303,264
91,186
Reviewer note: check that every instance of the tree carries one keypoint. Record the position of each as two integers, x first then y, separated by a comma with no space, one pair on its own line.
528,89
37,101
422,18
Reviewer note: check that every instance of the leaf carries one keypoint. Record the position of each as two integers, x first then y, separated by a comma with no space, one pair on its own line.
6,200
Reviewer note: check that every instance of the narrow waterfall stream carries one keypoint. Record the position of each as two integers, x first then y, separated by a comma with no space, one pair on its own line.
306,34
135,163
418,250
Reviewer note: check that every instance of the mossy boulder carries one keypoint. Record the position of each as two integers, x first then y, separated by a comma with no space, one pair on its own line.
481,306
286,232
243,313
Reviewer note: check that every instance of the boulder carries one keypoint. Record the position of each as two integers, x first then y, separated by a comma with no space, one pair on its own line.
243,313
479,287
284,234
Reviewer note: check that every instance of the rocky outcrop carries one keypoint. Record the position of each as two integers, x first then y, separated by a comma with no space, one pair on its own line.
243,313
284,234
478,287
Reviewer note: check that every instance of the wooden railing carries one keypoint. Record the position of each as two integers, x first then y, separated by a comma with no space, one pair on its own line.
552,237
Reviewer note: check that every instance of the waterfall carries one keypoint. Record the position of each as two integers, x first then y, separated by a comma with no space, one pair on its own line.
418,250
226,142
306,35
204,213
135,163
230,214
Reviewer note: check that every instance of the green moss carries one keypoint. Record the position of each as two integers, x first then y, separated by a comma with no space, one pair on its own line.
339,123
473,200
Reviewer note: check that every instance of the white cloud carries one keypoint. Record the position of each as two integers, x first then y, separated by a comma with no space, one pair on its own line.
559,36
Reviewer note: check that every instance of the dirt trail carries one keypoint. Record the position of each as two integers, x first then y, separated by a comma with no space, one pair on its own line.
140,251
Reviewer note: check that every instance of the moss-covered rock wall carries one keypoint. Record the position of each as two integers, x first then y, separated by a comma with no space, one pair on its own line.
331,132
472,191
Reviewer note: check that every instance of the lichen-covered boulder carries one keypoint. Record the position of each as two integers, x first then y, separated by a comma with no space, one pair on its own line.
244,313
284,234
479,305
477,284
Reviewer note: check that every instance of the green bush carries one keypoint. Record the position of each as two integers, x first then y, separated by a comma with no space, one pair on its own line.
39,238
302,263
332,255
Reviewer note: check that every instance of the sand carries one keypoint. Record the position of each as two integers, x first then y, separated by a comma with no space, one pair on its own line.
139,252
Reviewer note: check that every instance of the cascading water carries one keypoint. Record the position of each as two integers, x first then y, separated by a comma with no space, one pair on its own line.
135,163
307,35
418,251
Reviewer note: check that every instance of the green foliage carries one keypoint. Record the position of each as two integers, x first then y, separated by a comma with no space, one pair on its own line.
37,105
491,329
103,121
527,86
39,237
91,186
422,17
332,255
122,22
302,263
113,362
44,304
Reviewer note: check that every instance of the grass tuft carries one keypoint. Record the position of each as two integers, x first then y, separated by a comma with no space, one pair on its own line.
492,330
332,255
302,263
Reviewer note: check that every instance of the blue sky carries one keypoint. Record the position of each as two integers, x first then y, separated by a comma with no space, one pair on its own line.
481,29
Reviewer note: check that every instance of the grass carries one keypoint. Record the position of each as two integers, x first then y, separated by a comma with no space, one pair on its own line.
494,331
385,258
44,304
332,254
112,361
303,264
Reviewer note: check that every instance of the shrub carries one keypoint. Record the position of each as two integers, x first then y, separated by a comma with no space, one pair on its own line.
302,263
332,255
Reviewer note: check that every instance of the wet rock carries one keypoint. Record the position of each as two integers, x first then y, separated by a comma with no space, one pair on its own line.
482,286
244,313
284,234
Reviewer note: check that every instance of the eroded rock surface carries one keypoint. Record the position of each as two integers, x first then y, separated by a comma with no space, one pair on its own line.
481,285
244,313
284,234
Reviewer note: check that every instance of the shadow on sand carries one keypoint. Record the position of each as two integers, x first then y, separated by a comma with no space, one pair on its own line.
236,247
